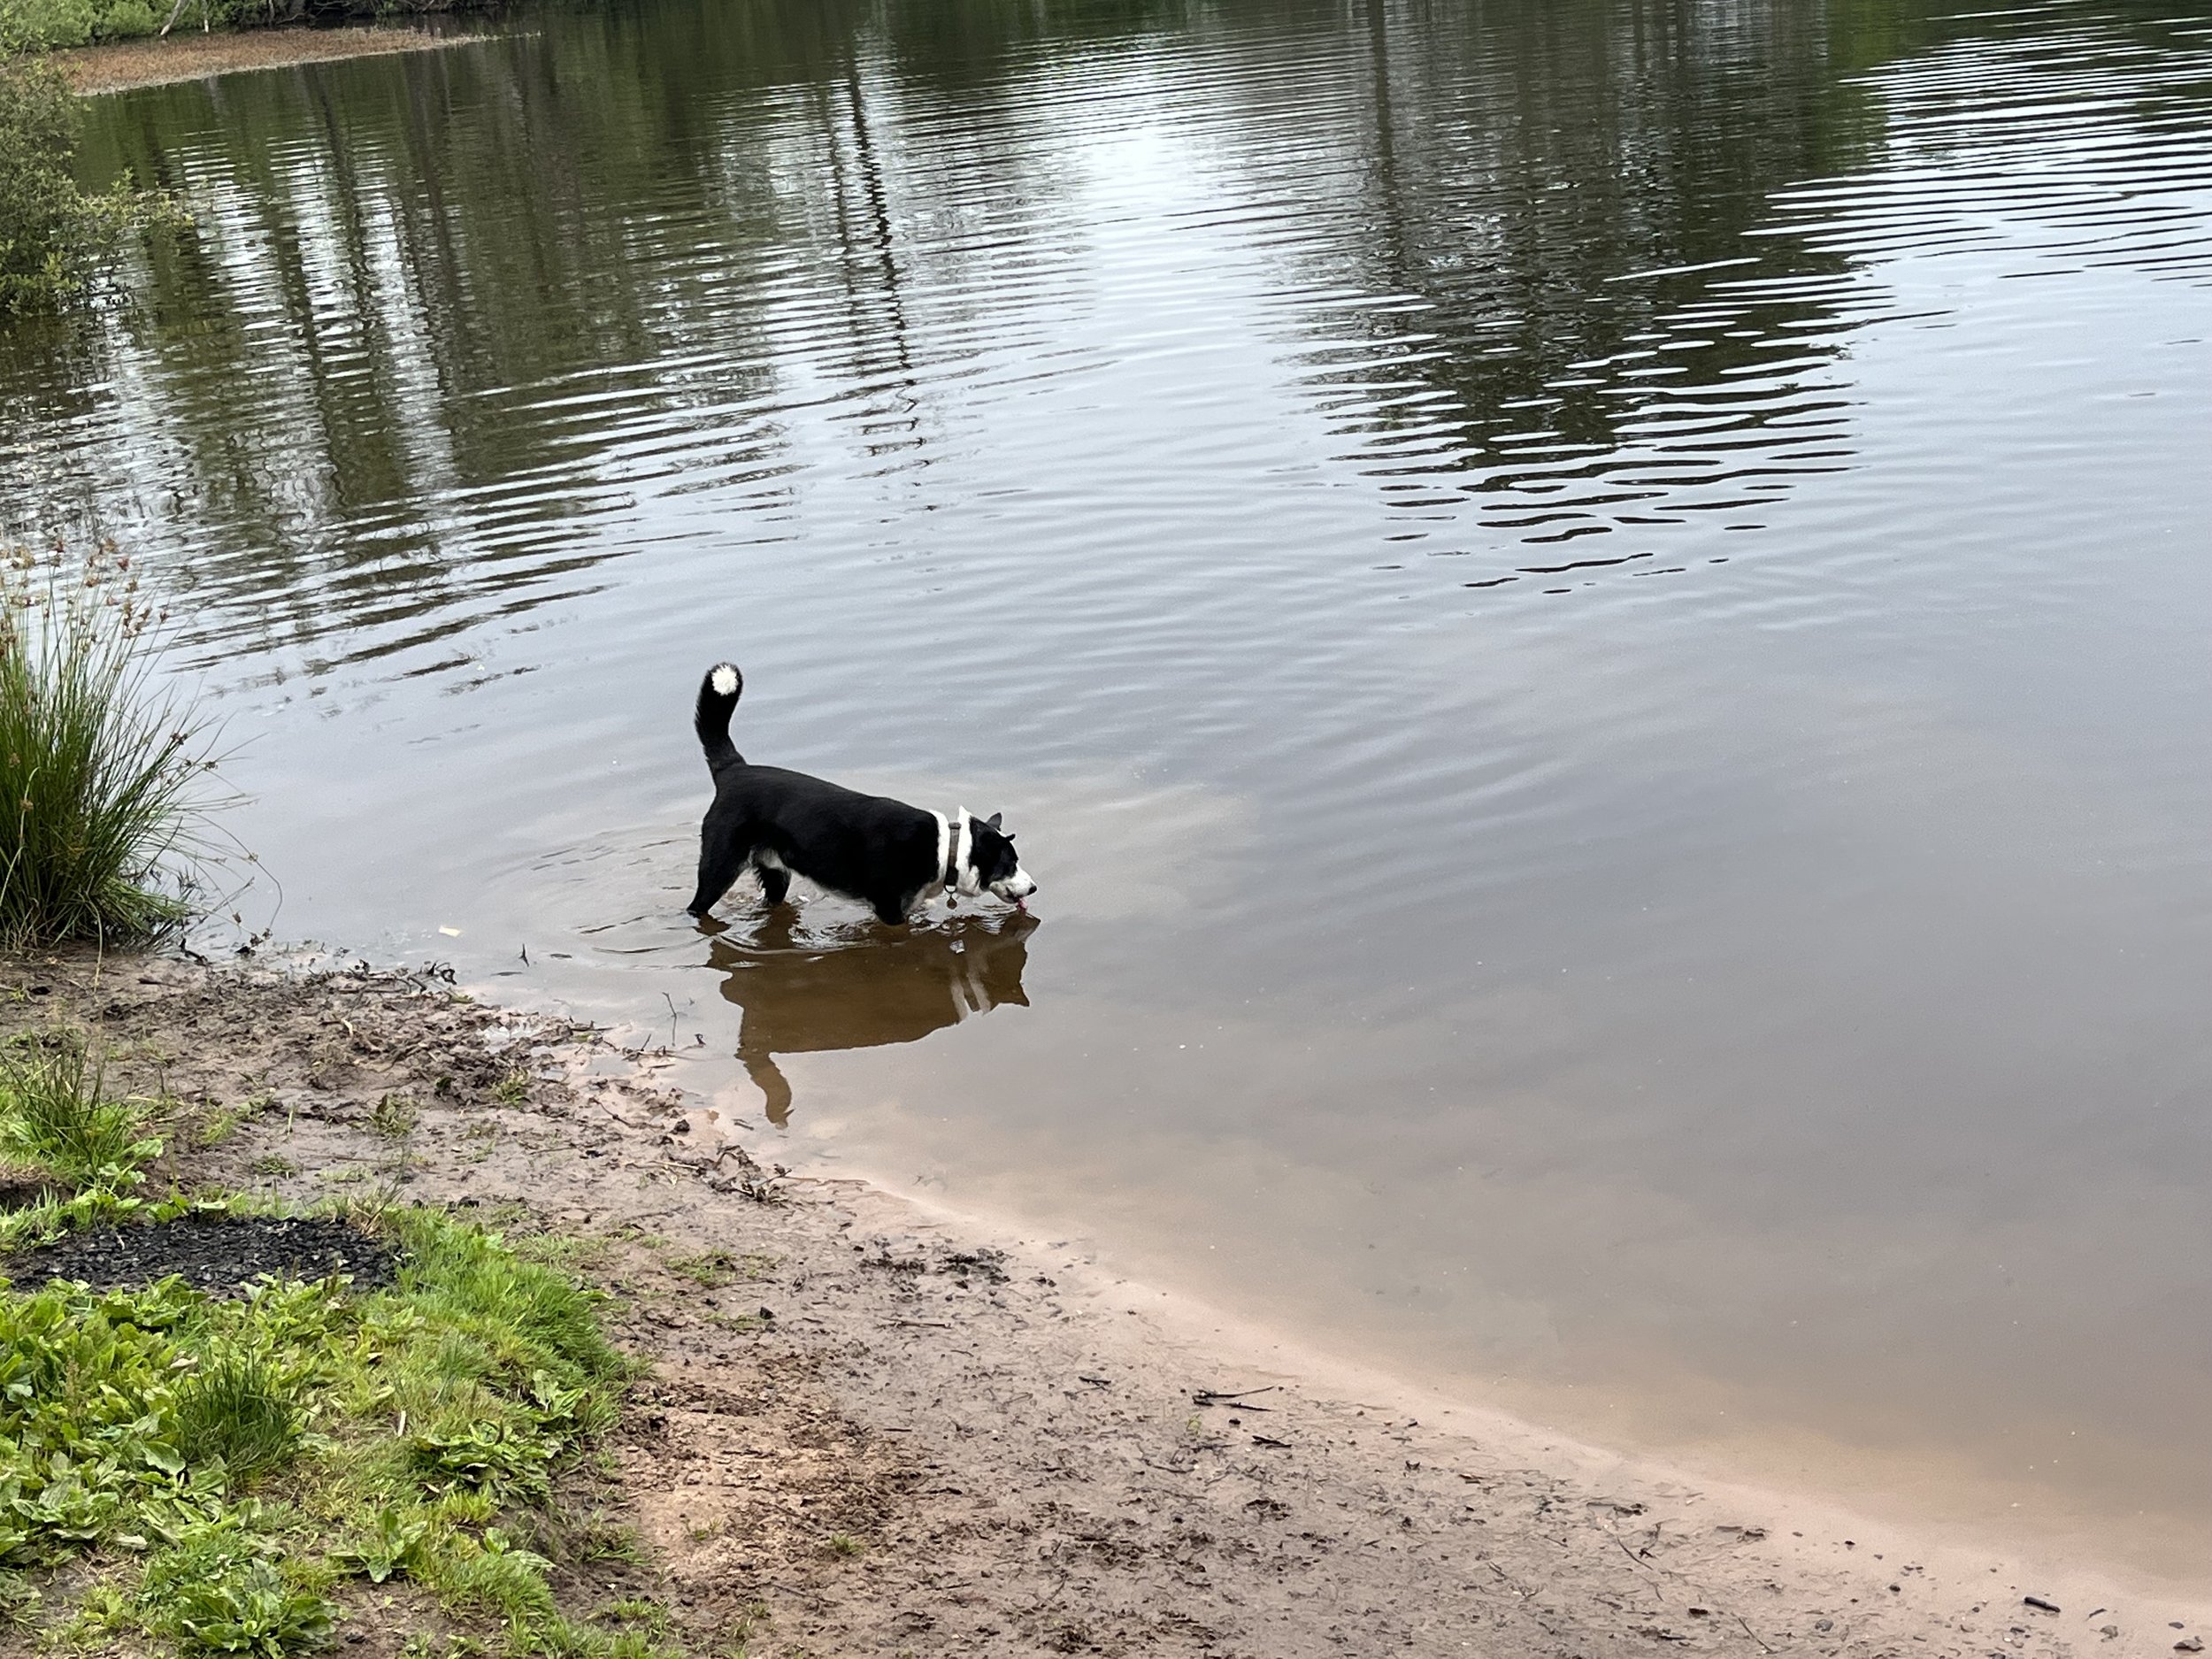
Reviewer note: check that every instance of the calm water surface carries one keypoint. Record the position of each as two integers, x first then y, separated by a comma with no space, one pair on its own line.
1595,618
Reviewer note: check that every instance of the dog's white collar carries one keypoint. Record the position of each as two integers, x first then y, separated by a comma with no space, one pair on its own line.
944,850
954,839
964,839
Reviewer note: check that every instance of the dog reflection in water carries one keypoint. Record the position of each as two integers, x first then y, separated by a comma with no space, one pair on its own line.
864,991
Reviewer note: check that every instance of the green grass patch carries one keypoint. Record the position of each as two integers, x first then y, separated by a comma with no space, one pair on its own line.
185,1474
717,1268
215,1124
395,1117
56,1116
224,1468
711,1268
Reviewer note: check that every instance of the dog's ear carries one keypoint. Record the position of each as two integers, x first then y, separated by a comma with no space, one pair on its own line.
992,820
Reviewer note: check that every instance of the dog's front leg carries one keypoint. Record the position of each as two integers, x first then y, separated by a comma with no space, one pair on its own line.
720,861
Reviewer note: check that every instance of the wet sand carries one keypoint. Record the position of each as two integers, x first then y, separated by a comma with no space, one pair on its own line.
901,1433
190,55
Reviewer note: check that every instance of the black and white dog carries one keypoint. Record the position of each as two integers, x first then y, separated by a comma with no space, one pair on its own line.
890,856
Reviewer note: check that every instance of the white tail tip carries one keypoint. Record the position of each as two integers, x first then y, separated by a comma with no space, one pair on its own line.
724,680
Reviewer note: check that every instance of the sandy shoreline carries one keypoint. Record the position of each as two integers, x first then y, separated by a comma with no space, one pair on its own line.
1038,1456
121,65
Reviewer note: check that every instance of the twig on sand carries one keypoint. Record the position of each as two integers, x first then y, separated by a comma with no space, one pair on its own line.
1231,1397
1753,1635
1503,1577
1631,1554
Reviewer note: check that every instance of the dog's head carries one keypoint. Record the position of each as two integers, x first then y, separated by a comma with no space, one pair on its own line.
992,863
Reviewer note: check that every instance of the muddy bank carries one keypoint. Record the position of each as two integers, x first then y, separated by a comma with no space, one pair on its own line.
897,1434
191,55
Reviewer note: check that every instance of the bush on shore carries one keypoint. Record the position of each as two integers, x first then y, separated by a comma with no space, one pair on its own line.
45,23
54,235
101,795
42,218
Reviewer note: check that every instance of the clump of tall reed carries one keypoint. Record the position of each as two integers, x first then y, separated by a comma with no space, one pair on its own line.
104,800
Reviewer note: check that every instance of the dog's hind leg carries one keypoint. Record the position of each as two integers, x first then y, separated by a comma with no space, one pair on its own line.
718,866
775,880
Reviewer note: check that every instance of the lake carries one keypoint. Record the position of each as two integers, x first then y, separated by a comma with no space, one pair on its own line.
1595,620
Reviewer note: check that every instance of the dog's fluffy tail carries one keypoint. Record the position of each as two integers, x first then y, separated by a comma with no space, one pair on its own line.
718,693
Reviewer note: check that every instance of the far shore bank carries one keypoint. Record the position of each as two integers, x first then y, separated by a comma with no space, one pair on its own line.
1017,1451
191,55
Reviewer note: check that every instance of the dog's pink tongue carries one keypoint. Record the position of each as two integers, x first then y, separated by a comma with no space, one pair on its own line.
1022,905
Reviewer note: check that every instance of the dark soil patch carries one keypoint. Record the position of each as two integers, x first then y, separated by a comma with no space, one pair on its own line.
220,1255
